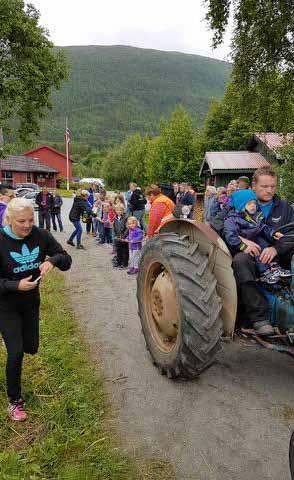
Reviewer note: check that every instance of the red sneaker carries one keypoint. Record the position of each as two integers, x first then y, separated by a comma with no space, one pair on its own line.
17,410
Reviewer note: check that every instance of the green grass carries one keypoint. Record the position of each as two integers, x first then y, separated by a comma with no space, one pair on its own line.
65,193
67,435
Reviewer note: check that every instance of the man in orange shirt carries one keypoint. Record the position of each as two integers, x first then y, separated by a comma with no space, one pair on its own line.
161,209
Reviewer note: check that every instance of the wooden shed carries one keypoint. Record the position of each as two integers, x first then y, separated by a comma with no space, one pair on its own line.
219,168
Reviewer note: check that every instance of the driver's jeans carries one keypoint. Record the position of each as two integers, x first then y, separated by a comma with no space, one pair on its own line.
253,301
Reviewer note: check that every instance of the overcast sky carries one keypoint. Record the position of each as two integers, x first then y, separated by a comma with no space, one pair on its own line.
159,24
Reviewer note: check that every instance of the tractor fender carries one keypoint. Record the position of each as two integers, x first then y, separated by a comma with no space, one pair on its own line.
220,263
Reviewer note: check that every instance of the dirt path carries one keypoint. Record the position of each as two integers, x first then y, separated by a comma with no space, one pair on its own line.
232,424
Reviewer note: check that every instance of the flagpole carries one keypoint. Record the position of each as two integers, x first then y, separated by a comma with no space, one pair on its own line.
67,156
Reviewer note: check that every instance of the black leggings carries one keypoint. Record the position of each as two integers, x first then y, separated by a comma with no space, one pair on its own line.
19,327
122,253
89,225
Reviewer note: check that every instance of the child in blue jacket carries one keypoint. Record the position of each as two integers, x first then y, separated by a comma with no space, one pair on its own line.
246,221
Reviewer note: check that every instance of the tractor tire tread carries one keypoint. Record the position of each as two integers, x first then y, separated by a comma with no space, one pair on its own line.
201,328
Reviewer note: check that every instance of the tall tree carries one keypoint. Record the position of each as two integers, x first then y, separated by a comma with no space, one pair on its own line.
29,67
286,172
262,53
126,163
224,128
174,155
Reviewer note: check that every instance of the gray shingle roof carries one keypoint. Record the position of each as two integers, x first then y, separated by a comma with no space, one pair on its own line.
21,163
236,161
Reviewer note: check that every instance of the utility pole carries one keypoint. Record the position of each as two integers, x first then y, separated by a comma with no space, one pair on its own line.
1,142
67,145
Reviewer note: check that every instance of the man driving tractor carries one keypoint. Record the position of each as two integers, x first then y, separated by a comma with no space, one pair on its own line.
276,213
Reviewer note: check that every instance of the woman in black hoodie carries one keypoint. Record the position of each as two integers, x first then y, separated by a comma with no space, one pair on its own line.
79,208
27,254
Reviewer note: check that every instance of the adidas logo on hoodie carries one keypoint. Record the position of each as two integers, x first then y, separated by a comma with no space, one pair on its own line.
26,259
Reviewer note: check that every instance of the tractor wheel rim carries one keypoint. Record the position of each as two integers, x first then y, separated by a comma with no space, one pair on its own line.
162,307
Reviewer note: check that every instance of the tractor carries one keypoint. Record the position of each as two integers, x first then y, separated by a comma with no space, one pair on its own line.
188,303
291,456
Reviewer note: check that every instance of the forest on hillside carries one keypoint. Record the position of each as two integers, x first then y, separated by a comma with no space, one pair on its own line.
116,91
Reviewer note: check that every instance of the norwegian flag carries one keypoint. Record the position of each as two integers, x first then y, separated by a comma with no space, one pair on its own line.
67,135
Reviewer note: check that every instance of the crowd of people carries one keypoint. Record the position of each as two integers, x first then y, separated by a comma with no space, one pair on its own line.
118,220
248,217
185,196
115,220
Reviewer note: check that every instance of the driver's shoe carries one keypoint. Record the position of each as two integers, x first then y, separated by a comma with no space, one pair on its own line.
282,272
264,329
270,277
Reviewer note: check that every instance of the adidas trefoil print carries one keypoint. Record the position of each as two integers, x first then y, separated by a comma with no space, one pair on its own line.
26,259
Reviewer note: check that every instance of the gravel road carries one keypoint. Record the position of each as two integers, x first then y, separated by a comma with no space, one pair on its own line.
233,423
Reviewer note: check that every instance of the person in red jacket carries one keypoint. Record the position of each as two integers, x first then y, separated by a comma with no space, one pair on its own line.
161,209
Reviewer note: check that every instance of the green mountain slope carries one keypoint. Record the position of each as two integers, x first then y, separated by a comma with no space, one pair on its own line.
117,90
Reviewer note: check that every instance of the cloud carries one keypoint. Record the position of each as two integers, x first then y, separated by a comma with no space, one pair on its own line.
158,24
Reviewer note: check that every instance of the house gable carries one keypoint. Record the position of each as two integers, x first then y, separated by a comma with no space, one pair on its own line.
268,144
53,158
35,151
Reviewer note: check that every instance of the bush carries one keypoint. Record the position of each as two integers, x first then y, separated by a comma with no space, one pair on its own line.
61,183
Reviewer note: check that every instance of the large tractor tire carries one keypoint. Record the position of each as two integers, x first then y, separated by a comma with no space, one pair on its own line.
178,306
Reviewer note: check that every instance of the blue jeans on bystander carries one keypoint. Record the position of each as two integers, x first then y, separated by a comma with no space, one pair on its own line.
77,231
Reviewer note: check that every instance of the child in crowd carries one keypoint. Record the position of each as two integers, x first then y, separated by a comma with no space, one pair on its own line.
234,184
243,183
209,197
135,241
247,222
111,212
119,199
219,202
111,219
56,211
120,232
89,222
97,209
106,225
222,200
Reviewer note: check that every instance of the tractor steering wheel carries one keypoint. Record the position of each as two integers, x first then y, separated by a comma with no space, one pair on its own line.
284,227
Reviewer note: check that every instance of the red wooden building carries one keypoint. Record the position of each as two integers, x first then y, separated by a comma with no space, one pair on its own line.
52,158
22,169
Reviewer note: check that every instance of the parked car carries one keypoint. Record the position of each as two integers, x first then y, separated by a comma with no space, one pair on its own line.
20,192
31,186
31,196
